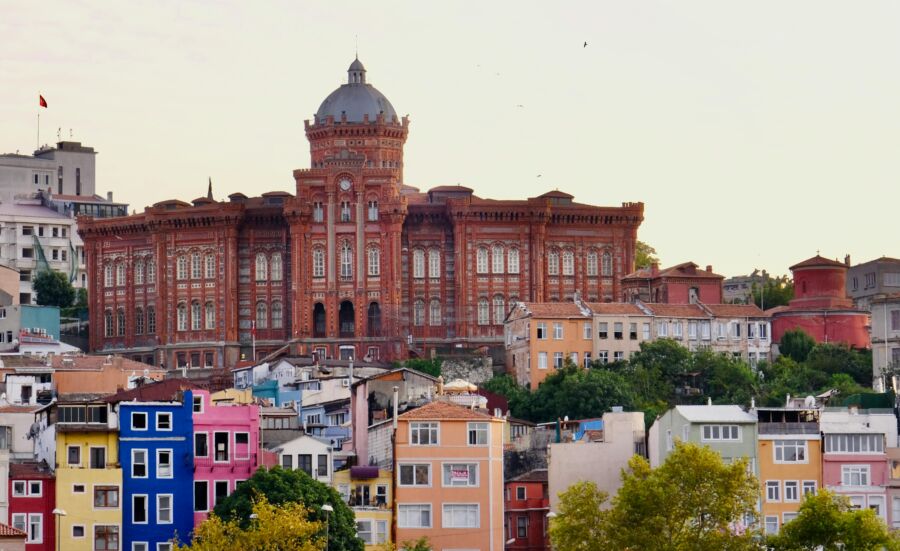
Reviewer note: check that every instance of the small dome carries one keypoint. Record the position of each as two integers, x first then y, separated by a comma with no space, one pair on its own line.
356,99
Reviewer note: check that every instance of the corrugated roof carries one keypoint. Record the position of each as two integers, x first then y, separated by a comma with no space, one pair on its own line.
732,414
444,410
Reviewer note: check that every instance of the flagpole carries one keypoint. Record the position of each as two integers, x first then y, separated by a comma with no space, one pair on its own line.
38,128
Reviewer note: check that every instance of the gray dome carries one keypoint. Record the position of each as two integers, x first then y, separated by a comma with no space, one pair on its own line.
356,99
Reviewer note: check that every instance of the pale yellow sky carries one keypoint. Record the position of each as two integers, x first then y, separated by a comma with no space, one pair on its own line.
755,132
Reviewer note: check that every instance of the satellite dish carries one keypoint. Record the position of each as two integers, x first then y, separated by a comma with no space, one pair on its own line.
809,402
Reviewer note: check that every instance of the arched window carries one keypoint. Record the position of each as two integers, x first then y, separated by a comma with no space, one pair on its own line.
591,263
276,267
499,309
318,262
434,312
181,268
262,267
195,266
107,276
434,263
419,313
484,312
138,321
374,320
262,316
120,321
108,329
497,259
151,319
374,261
481,260
151,271
210,315
277,315
120,274
182,317
346,261
512,261
418,263
139,272
195,315
210,266
553,263
568,261
607,267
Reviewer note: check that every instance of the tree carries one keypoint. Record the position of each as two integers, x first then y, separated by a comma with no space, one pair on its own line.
281,486
53,289
423,365
827,522
839,358
644,255
777,291
693,501
275,528
797,344
580,522
578,393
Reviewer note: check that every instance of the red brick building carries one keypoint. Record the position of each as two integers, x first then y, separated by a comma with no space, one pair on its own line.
525,507
685,283
357,263
821,307
32,498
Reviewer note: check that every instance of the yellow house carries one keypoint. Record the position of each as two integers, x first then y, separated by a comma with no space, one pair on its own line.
790,462
368,492
88,477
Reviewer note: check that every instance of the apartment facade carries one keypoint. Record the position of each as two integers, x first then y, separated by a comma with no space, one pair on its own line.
526,504
368,492
790,462
885,335
871,279
728,430
32,498
449,467
307,454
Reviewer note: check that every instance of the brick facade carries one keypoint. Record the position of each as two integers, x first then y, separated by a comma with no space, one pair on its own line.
367,266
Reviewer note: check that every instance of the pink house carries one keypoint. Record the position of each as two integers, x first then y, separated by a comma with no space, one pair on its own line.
226,450
855,461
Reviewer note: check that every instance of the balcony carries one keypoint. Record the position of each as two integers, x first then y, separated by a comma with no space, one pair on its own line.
232,465
788,428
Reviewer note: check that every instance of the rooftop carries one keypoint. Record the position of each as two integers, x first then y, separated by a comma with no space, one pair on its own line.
699,414
7,531
443,410
818,261
29,469
536,475
165,390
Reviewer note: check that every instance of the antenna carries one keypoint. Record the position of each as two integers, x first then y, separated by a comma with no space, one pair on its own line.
356,39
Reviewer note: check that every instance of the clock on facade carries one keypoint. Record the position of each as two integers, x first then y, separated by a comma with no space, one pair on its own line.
345,184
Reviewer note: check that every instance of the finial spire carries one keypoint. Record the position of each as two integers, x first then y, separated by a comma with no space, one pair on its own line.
209,189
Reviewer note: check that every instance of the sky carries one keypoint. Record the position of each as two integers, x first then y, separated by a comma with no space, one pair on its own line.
756,133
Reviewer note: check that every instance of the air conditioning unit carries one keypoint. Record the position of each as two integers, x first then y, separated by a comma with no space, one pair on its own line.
345,383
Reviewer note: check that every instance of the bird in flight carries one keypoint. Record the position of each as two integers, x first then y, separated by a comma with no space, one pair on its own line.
585,45
520,105
538,175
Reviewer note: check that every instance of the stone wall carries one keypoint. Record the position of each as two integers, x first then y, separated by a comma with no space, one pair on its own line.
475,370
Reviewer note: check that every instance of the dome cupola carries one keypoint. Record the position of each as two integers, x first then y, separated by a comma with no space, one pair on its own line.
353,101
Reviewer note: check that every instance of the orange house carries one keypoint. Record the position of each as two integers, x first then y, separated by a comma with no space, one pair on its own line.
790,462
448,464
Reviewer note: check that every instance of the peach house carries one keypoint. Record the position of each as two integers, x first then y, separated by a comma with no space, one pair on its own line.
448,461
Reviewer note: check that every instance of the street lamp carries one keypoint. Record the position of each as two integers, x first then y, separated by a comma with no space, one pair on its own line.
328,509
58,513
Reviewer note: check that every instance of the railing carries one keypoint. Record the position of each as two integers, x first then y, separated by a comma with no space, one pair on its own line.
231,464
788,428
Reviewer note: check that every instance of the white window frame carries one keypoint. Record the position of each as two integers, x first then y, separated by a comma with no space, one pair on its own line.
770,520
479,429
23,492
568,263
782,445
164,414
447,467
419,263
512,261
848,471
413,466
795,485
40,528
146,421
715,433
146,508
542,360
481,260
434,263
773,491
146,462
420,506
171,509
558,331
432,428
159,473
808,487
446,514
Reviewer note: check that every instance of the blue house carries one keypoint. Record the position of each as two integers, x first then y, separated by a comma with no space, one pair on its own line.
156,454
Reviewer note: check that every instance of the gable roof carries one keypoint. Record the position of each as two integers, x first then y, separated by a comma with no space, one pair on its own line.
676,310
29,469
613,308
535,475
553,310
818,260
444,410
8,531
727,413
685,269
735,310
163,391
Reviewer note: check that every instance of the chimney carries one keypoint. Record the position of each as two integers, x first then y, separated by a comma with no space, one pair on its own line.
847,260
654,268
709,268
396,399
109,196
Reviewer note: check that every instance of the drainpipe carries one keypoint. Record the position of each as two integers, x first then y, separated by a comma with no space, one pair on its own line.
394,509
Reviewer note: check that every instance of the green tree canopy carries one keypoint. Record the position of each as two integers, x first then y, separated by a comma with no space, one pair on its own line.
644,255
796,344
693,501
281,486
827,522
776,291
53,289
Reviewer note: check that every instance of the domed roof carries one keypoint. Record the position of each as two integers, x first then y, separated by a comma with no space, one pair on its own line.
356,99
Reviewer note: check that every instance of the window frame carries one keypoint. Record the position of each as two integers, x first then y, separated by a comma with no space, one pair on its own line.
146,508
411,465
445,516
420,506
170,508
145,463
447,480
171,463
146,421
782,445
773,491
433,428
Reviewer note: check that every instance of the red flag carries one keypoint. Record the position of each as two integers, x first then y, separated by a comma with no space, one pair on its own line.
43,102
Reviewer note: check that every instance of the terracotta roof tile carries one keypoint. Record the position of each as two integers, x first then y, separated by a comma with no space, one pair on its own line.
677,310
615,308
736,310
554,310
685,269
452,188
79,363
8,531
444,410
818,260
29,469
19,409
536,475
163,391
